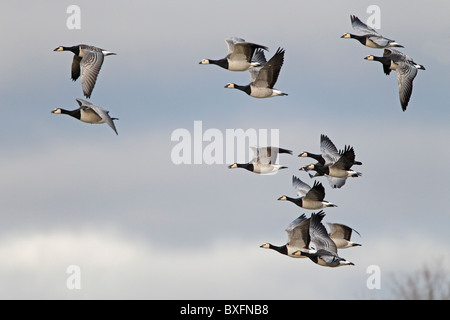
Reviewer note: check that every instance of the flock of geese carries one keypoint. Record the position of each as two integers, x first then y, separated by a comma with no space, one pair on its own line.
264,74
392,59
303,231
306,237
87,61
242,56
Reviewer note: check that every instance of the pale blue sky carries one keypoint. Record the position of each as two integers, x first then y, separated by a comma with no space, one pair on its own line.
141,227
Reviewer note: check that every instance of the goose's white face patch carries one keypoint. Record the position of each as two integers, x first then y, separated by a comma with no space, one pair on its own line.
204,61
57,111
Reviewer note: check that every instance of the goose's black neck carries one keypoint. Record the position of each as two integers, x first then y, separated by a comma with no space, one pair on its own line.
361,39
386,61
221,62
282,249
317,157
383,60
314,258
246,88
320,169
74,49
297,201
74,113
248,166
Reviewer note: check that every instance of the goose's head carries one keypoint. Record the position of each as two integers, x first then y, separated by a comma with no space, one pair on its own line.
370,58
311,166
297,253
229,85
303,154
56,110
204,61
265,246
60,48
346,36
234,165
282,198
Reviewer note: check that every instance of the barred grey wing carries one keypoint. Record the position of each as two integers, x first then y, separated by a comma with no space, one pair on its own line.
90,67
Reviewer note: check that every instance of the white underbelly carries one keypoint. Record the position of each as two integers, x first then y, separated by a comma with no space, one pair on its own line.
90,116
371,44
261,92
238,65
338,173
312,204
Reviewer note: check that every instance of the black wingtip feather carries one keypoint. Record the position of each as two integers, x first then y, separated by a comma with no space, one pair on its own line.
281,150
